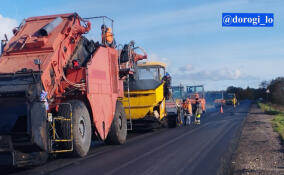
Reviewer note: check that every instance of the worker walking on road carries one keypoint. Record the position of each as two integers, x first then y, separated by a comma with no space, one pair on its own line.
234,102
197,118
197,109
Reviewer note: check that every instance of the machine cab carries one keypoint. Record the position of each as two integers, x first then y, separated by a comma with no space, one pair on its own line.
149,75
192,91
150,71
178,92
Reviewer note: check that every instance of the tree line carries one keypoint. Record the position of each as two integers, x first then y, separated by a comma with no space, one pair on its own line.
269,91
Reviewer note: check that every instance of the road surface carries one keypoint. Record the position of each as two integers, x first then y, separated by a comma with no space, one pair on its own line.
203,149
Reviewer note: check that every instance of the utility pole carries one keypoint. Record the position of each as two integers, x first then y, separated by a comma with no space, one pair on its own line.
267,92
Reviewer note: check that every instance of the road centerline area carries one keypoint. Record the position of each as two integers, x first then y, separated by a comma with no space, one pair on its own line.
156,149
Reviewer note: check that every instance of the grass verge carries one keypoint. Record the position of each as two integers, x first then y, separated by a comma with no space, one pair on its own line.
278,121
278,125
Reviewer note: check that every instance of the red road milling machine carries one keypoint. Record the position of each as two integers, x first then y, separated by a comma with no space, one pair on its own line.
58,90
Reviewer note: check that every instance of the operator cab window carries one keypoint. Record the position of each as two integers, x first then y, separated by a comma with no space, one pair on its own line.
150,73
190,89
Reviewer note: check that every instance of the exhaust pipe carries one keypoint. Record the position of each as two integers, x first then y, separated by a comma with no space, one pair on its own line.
47,29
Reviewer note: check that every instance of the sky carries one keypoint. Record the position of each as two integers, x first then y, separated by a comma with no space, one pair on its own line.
186,34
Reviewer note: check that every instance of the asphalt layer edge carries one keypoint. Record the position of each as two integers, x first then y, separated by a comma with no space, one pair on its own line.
225,167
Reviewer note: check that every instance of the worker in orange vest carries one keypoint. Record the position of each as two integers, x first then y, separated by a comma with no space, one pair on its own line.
197,109
107,36
187,112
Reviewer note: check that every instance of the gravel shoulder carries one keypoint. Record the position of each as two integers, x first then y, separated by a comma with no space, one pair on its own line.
259,151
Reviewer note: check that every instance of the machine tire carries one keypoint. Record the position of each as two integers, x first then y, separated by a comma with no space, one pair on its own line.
173,120
172,123
81,127
165,122
118,130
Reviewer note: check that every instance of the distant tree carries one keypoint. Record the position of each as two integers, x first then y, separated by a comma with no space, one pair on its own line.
248,93
264,84
276,88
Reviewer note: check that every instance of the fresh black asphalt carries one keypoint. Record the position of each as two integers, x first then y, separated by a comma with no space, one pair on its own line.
195,149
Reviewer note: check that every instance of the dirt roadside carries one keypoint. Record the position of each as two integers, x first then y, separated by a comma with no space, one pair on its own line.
259,151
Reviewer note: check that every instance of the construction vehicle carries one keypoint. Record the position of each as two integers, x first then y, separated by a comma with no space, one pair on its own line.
178,92
194,92
58,89
231,99
145,101
218,102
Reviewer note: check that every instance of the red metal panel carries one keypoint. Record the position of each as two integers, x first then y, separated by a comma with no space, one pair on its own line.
100,92
114,68
53,50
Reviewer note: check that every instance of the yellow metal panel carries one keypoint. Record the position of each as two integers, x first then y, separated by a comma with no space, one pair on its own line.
152,63
142,102
163,109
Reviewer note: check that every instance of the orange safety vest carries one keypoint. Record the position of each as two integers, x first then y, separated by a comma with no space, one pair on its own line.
107,36
187,106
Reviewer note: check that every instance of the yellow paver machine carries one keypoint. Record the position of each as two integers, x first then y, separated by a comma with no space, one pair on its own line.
146,104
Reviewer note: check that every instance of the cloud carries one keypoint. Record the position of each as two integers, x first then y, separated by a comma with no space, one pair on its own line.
155,57
7,24
186,68
251,49
187,14
189,21
171,68
214,75
261,58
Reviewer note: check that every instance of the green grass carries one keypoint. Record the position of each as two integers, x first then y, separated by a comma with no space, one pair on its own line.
278,121
278,125
268,109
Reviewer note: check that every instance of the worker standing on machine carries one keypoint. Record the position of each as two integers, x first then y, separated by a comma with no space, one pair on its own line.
107,36
168,81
